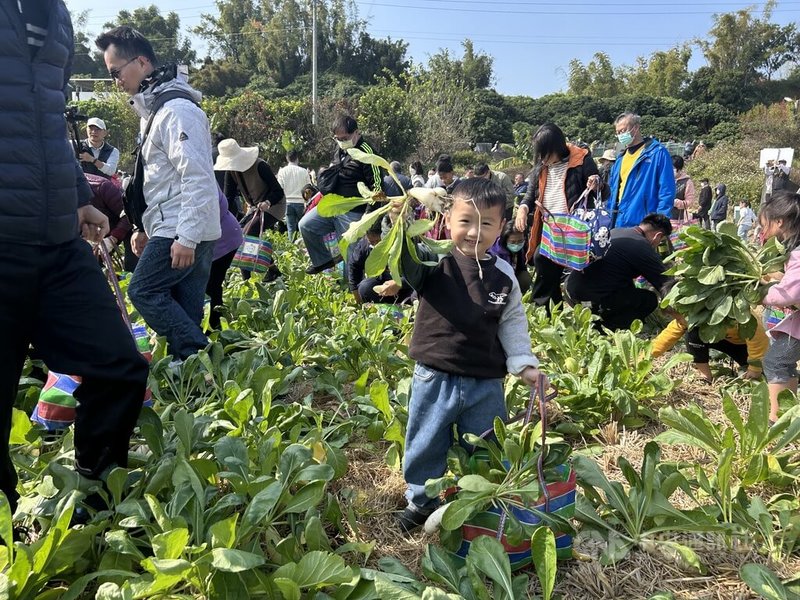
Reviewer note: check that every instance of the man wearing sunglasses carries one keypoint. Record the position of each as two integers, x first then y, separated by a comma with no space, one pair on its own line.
181,221
54,295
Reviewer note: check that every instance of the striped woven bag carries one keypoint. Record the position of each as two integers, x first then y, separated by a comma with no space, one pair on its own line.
558,498
55,409
566,239
254,254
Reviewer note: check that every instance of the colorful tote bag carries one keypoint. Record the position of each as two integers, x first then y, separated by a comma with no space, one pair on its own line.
558,498
254,254
774,315
55,409
566,240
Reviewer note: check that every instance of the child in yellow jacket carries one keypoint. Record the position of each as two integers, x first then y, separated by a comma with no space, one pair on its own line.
747,353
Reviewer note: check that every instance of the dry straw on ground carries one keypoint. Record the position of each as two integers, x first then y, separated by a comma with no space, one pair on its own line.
377,493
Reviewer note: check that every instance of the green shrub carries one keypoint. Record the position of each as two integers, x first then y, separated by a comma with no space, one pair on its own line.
466,159
736,165
121,120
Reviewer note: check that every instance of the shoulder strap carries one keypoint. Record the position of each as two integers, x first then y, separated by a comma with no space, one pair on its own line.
160,101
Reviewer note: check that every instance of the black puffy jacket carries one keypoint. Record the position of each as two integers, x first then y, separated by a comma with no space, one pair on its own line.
41,182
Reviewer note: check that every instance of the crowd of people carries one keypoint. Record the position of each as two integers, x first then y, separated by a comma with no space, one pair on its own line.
201,195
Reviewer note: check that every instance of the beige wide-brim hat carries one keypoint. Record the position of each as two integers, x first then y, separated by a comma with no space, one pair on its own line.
232,157
609,155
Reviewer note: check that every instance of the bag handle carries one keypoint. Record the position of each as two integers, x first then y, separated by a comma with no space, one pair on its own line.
253,220
540,393
112,280
581,202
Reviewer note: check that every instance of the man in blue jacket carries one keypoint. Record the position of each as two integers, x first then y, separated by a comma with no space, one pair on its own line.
642,180
54,296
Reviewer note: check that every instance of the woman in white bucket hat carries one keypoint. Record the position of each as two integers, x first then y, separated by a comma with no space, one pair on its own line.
254,180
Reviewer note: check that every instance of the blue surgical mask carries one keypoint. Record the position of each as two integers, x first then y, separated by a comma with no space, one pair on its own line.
514,247
625,138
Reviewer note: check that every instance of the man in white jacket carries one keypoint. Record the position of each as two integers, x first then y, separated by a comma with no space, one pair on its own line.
181,221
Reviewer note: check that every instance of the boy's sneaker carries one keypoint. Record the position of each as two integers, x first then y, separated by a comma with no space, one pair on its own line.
411,518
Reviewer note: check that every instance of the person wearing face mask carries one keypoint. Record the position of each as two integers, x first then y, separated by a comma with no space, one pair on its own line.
719,212
342,178
704,204
684,191
608,284
642,179
511,247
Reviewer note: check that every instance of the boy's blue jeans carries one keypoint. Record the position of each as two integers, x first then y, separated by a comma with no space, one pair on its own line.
171,300
440,400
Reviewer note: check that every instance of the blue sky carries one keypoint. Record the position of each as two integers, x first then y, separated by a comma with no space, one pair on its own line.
532,41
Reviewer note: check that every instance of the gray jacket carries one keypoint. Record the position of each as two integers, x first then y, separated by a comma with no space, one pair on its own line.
179,183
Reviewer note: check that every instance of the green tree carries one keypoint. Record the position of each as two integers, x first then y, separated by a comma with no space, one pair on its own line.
163,33
663,73
597,78
220,78
750,47
386,115
84,63
231,32
472,71
492,118
443,108
374,57
272,39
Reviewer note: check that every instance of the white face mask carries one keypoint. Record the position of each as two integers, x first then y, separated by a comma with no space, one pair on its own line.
345,145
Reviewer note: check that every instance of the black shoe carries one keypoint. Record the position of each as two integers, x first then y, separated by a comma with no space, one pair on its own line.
91,505
312,270
272,274
411,519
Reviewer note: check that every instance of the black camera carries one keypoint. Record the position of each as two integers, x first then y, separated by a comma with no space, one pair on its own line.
72,115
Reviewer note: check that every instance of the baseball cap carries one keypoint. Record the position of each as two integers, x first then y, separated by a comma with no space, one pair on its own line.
96,122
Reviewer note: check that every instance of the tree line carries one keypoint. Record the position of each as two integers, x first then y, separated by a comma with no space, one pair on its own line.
257,81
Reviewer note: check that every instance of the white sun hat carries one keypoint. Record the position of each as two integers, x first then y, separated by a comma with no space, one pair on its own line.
232,157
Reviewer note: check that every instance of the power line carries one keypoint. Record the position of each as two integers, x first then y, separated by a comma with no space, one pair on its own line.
630,13
430,4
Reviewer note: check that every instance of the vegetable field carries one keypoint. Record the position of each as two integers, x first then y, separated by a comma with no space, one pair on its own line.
269,468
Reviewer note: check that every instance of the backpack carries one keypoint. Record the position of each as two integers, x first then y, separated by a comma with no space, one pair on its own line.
133,199
328,180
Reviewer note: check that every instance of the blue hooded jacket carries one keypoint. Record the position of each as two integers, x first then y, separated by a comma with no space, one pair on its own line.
650,187
41,183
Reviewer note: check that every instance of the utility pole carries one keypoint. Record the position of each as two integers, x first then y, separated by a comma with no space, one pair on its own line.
313,62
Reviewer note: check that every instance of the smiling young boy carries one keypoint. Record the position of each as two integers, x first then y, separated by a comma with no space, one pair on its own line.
470,331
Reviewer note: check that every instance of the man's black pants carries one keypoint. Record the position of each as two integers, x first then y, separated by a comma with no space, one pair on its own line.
57,298
620,309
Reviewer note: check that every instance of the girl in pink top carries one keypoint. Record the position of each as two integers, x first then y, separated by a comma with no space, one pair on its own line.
780,217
